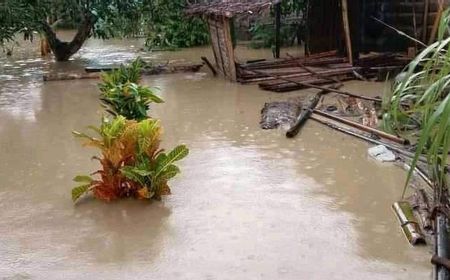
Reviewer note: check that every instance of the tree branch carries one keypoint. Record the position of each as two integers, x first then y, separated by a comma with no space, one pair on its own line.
64,50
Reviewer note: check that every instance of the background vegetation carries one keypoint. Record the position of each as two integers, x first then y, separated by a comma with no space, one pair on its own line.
168,27
162,22
292,29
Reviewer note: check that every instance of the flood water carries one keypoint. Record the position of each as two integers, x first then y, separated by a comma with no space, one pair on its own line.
249,204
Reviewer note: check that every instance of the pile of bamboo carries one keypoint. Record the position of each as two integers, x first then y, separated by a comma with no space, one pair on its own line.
283,75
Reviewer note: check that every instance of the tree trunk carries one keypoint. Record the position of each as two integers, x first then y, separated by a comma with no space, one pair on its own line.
45,47
64,50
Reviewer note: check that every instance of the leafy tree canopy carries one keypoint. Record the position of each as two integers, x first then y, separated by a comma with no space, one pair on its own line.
169,28
100,18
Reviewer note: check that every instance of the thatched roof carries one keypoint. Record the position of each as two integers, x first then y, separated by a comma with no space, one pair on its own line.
230,8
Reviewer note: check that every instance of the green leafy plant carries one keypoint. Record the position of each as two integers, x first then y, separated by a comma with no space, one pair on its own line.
170,29
123,75
263,36
133,165
425,88
132,162
122,95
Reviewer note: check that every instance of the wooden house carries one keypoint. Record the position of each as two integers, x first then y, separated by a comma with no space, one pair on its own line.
356,26
218,16
346,28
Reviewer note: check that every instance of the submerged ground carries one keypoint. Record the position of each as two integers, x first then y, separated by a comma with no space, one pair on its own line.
250,204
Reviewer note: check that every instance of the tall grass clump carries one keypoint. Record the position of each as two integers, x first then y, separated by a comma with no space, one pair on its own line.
420,105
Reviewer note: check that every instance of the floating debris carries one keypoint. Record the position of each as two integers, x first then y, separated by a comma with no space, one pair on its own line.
381,153
279,114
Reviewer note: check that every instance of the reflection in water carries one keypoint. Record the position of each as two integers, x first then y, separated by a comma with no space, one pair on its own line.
250,204
125,231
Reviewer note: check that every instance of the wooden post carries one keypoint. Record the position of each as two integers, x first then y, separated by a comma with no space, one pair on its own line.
213,70
213,38
436,22
425,20
307,35
229,52
44,46
345,21
277,30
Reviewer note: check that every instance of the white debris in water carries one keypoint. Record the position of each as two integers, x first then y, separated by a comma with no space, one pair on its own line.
381,153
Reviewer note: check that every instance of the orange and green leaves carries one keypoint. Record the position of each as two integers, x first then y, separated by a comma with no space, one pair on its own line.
132,163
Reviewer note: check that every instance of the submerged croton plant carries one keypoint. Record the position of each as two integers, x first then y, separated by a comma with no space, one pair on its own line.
132,162
121,93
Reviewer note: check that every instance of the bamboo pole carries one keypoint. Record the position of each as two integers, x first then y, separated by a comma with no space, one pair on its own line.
345,21
277,30
422,175
368,129
306,113
440,261
307,30
425,20
317,86
394,148
442,247
436,22
415,25
408,222
442,250
229,49
423,209
213,70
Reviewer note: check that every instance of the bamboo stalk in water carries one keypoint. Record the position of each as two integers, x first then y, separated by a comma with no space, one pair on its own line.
436,22
377,132
408,222
442,248
421,206
345,21
306,113
396,149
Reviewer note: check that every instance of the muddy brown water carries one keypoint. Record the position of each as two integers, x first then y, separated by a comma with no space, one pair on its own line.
250,204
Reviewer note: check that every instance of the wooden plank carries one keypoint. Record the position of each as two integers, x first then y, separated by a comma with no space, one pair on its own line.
313,82
293,63
303,76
